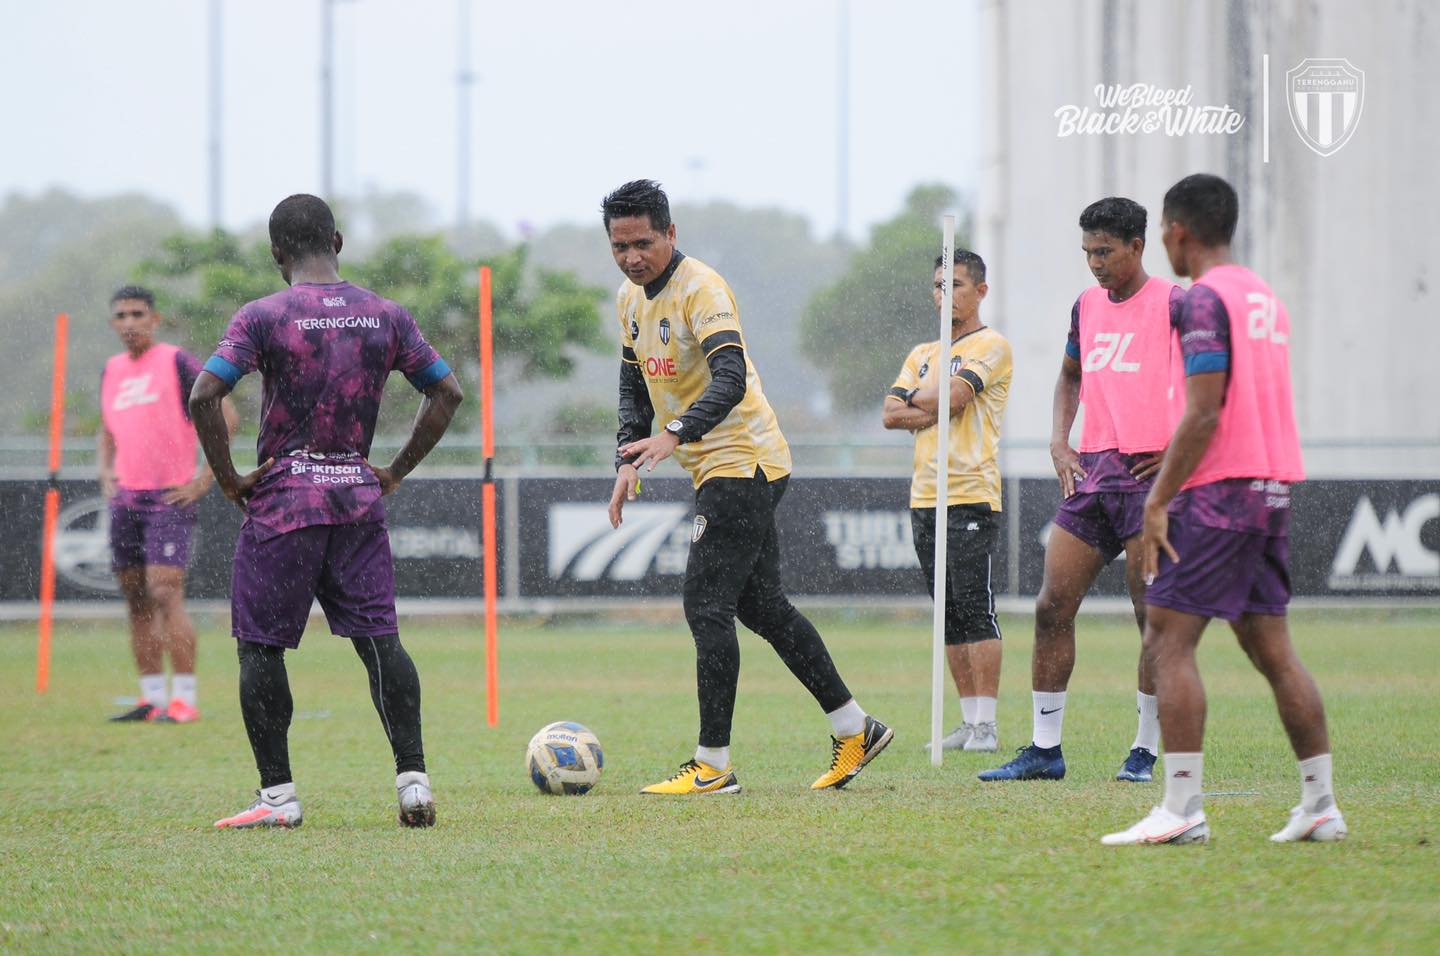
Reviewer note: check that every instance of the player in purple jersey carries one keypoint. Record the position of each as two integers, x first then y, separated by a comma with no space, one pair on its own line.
1215,538
314,521
1102,486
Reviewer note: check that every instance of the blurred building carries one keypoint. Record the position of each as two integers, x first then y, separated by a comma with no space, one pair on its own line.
1347,240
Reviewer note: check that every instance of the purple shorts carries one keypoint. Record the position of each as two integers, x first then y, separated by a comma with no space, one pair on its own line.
346,567
144,530
1105,520
1222,573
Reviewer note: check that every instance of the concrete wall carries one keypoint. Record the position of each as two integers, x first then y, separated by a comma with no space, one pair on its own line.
1348,240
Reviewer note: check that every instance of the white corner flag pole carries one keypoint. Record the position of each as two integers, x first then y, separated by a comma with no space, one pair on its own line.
942,488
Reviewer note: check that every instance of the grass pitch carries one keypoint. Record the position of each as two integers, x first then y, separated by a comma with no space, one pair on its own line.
108,846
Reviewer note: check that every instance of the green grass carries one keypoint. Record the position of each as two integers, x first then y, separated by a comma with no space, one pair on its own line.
108,846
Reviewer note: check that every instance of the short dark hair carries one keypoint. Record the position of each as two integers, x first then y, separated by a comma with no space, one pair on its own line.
640,197
969,261
1206,205
137,292
1120,217
303,225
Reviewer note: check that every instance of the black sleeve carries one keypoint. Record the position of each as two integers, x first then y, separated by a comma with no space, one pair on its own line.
726,388
636,412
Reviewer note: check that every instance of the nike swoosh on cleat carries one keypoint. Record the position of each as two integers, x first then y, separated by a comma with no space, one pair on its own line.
1047,713
711,782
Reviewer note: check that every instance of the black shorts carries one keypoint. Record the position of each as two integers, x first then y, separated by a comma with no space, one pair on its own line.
969,559
734,551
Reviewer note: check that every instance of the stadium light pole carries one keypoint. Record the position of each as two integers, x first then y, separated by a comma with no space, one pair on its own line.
464,83
327,97
842,122
217,101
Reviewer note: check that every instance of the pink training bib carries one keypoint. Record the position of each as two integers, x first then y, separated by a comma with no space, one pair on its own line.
1257,436
141,405
1132,379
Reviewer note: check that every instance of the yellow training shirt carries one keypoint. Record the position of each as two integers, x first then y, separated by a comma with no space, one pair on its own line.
983,359
669,337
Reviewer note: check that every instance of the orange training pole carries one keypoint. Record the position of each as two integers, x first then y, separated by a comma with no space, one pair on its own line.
52,506
487,447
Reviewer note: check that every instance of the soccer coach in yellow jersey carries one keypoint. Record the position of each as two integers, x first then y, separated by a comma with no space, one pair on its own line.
980,369
684,357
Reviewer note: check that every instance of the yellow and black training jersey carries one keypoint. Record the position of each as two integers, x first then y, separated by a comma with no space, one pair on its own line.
670,337
982,358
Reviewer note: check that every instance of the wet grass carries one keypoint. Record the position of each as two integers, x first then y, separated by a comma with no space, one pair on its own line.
108,845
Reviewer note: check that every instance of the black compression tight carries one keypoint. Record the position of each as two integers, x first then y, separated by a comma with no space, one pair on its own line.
267,706
395,689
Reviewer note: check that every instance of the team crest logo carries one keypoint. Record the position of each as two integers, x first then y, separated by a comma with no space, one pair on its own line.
924,367
1325,98
697,532
956,364
634,329
665,331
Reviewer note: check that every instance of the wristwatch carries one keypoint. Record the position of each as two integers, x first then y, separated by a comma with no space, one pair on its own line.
675,427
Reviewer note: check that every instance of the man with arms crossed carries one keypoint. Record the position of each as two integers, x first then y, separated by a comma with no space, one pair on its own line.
981,364
684,357
1217,521
314,522
1122,360
148,475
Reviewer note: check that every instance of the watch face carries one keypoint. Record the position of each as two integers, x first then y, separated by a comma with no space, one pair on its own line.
675,426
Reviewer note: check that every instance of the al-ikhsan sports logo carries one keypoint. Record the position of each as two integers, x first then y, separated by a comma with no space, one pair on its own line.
654,539
1396,542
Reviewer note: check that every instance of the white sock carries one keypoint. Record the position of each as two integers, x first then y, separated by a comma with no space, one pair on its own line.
404,780
1147,733
1183,774
152,690
717,757
182,686
848,720
968,708
984,710
1315,781
278,794
1049,715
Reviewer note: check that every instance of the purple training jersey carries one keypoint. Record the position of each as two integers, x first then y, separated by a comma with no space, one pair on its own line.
324,352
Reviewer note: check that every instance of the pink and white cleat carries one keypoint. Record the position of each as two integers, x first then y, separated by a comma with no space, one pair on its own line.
1162,826
179,712
1322,825
273,807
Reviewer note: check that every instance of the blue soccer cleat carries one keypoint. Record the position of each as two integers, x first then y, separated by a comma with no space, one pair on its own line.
1030,763
1139,766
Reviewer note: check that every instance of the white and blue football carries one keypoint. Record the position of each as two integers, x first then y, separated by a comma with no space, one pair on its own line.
564,758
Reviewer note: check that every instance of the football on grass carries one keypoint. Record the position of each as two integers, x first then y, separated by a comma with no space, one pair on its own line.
564,758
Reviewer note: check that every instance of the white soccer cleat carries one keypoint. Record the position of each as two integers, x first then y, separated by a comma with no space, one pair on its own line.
1325,825
956,738
274,807
985,739
417,805
1162,826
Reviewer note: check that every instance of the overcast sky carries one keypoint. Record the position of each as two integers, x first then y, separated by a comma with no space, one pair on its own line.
733,100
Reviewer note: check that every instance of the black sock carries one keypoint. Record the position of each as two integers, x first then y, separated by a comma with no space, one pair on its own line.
266,705
395,689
